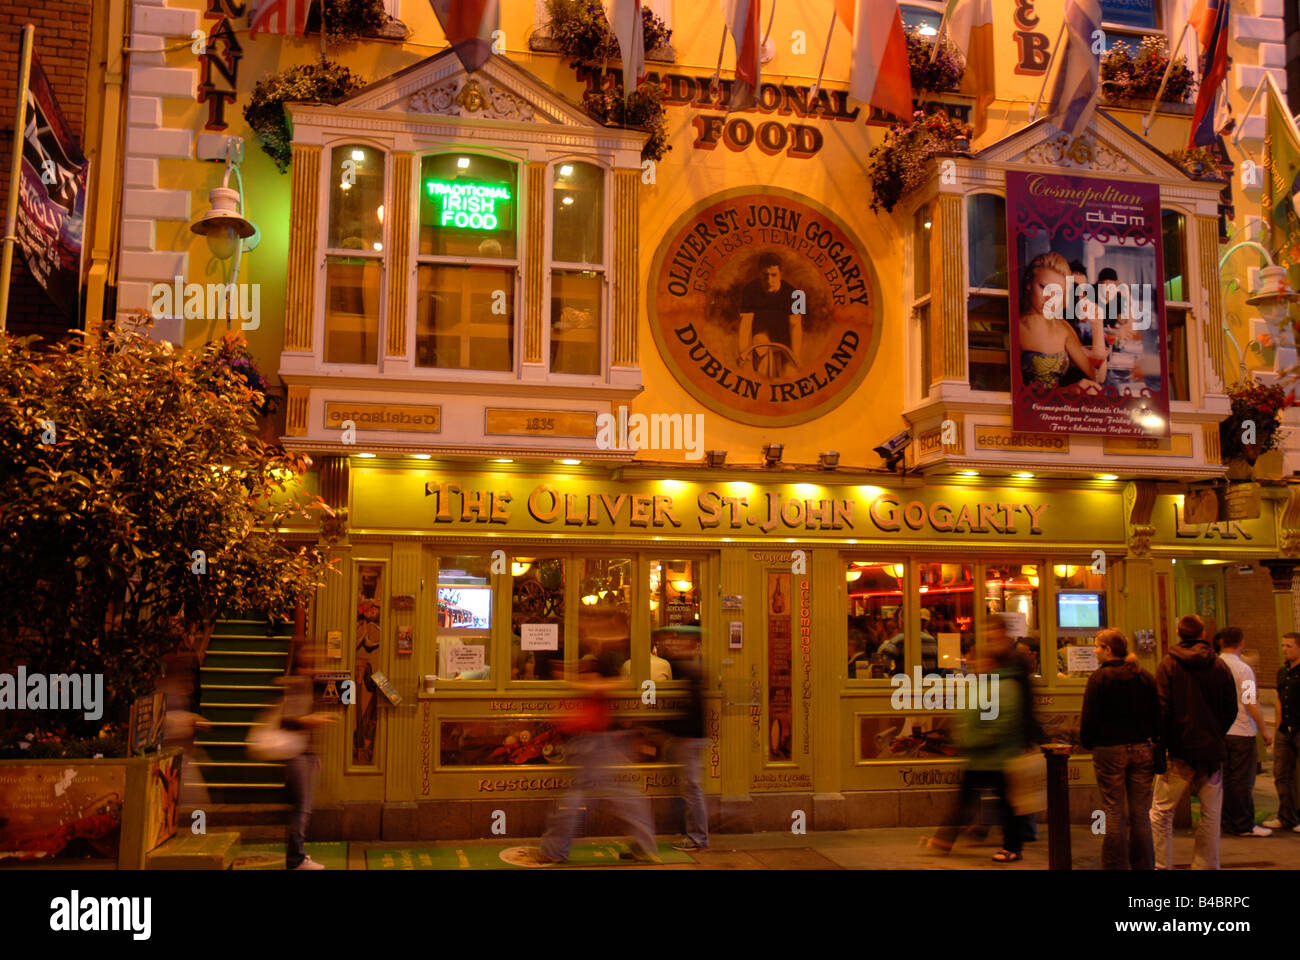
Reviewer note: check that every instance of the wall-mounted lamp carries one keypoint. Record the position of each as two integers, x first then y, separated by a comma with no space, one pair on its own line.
829,460
716,458
772,453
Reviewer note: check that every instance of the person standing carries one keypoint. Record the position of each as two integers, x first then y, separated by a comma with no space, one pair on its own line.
1197,706
1242,754
687,749
1286,734
1121,726
302,770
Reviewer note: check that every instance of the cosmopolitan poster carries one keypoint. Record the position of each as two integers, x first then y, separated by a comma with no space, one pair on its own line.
1088,352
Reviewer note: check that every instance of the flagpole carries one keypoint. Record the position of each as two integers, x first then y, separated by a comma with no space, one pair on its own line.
16,171
816,87
771,18
1250,105
1169,68
1056,48
943,23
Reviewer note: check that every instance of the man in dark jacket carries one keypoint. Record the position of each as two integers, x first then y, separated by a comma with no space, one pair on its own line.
1198,703
687,749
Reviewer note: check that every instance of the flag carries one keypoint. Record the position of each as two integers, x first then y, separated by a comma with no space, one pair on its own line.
51,196
970,28
1210,20
288,17
1078,78
742,18
880,74
624,18
469,25
1282,182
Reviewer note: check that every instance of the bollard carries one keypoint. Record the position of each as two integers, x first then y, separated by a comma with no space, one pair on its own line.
1058,805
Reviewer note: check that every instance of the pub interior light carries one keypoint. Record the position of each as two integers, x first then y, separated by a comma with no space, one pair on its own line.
566,170
519,567
772,453
462,163
716,458
853,573
829,460
1023,475
358,155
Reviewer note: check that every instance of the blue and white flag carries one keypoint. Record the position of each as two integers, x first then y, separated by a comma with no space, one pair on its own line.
1078,78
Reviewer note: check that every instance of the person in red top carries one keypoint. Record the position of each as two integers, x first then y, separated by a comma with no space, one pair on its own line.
596,749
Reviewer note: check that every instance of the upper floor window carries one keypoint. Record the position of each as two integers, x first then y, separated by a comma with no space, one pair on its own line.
922,17
988,323
577,267
466,262
1131,20
922,232
1177,302
354,254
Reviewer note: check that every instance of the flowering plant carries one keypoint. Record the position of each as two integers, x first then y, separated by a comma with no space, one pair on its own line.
232,354
1125,77
897,166
583,33
1255,409
644,110
944,73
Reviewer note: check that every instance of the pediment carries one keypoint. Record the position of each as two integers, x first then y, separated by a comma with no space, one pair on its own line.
1105,146
499,90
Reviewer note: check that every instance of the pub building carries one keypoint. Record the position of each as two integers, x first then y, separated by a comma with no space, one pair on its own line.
555,396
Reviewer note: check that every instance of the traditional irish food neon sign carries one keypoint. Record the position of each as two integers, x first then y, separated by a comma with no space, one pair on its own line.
471,205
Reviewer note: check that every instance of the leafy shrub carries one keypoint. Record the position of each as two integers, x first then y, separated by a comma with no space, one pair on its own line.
1125,77
322,81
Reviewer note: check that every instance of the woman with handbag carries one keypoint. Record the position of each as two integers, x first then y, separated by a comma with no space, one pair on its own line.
1121,726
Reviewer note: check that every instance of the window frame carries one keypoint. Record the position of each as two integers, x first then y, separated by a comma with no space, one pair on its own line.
973,291
550,265
1135,35
325,253
920,316
1184,306
417,259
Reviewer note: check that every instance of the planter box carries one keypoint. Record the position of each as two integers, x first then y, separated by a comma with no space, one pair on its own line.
114,809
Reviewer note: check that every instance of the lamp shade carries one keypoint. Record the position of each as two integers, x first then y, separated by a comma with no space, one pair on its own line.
223,225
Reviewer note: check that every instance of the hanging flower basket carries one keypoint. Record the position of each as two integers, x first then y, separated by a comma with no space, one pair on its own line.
1127,76
941,75
323,81
898,165
1253,428
643,110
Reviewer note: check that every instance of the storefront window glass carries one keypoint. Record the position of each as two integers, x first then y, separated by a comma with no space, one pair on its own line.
352,309
464,317
355,254
464,618
578,223
922,226
1012,589
356,215
537,618
578,267
675,631
1177,303
947,597
875,612
467,206
987,307
1081,611
577,311
604,613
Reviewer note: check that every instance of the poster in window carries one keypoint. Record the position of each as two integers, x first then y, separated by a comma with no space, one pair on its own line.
780,682
365,714
1088,339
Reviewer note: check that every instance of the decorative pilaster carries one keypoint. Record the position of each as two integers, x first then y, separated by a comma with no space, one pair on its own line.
295,418
626,184
534,261
399,254
947,292
300,282
1210,440
1207,237
1288,536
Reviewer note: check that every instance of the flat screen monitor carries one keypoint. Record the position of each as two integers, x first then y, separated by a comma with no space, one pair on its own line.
1079,611
464,608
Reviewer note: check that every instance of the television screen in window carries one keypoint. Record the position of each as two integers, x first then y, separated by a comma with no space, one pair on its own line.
1078,611
465,608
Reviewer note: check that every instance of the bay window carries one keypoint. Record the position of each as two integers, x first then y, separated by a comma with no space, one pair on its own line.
577,268
1178,304
988,323
354,254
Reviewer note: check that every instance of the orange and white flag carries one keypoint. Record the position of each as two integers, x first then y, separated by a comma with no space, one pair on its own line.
742,17
969,25
880,74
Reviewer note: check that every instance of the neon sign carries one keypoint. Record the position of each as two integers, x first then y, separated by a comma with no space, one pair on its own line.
471,205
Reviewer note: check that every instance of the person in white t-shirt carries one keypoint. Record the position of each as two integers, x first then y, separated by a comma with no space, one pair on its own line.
1239,769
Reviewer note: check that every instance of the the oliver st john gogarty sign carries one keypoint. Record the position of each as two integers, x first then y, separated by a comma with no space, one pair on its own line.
763,306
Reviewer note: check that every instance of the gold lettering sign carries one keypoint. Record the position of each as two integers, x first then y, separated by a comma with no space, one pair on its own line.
503,422
406,417
1001,438
1179,445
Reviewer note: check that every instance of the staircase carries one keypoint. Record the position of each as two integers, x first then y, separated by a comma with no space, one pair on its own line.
236,685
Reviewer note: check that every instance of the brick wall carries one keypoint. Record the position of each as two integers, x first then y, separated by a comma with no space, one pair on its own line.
1250,608
63,46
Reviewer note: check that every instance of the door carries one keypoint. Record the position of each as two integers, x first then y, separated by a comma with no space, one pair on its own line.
1200,591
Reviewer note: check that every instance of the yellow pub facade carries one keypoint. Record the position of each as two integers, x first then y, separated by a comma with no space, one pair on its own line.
541,380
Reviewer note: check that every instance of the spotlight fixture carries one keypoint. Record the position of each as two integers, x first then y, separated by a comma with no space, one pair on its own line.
829,460
716,458
772,453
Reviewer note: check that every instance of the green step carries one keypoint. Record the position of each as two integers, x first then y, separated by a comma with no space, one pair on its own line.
238,676
239,644
243,713
235,693
190,851
223,659
268,795
239,774
251,628
224,752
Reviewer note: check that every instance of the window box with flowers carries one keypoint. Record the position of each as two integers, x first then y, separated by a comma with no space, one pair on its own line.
898,165
943,73
1253,428
1130,79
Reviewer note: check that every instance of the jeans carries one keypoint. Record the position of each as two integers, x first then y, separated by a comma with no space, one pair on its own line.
1285,749
595,755
1239,785
689,752
971,784
1170,787
300,776
1124,777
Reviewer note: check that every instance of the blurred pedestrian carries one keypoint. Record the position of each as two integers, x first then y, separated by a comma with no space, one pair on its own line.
1286,734
1197,706
1242,753
596,749
1121,726
991,742
687,749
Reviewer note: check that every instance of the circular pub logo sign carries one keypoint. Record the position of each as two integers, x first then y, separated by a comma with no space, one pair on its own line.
763,305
